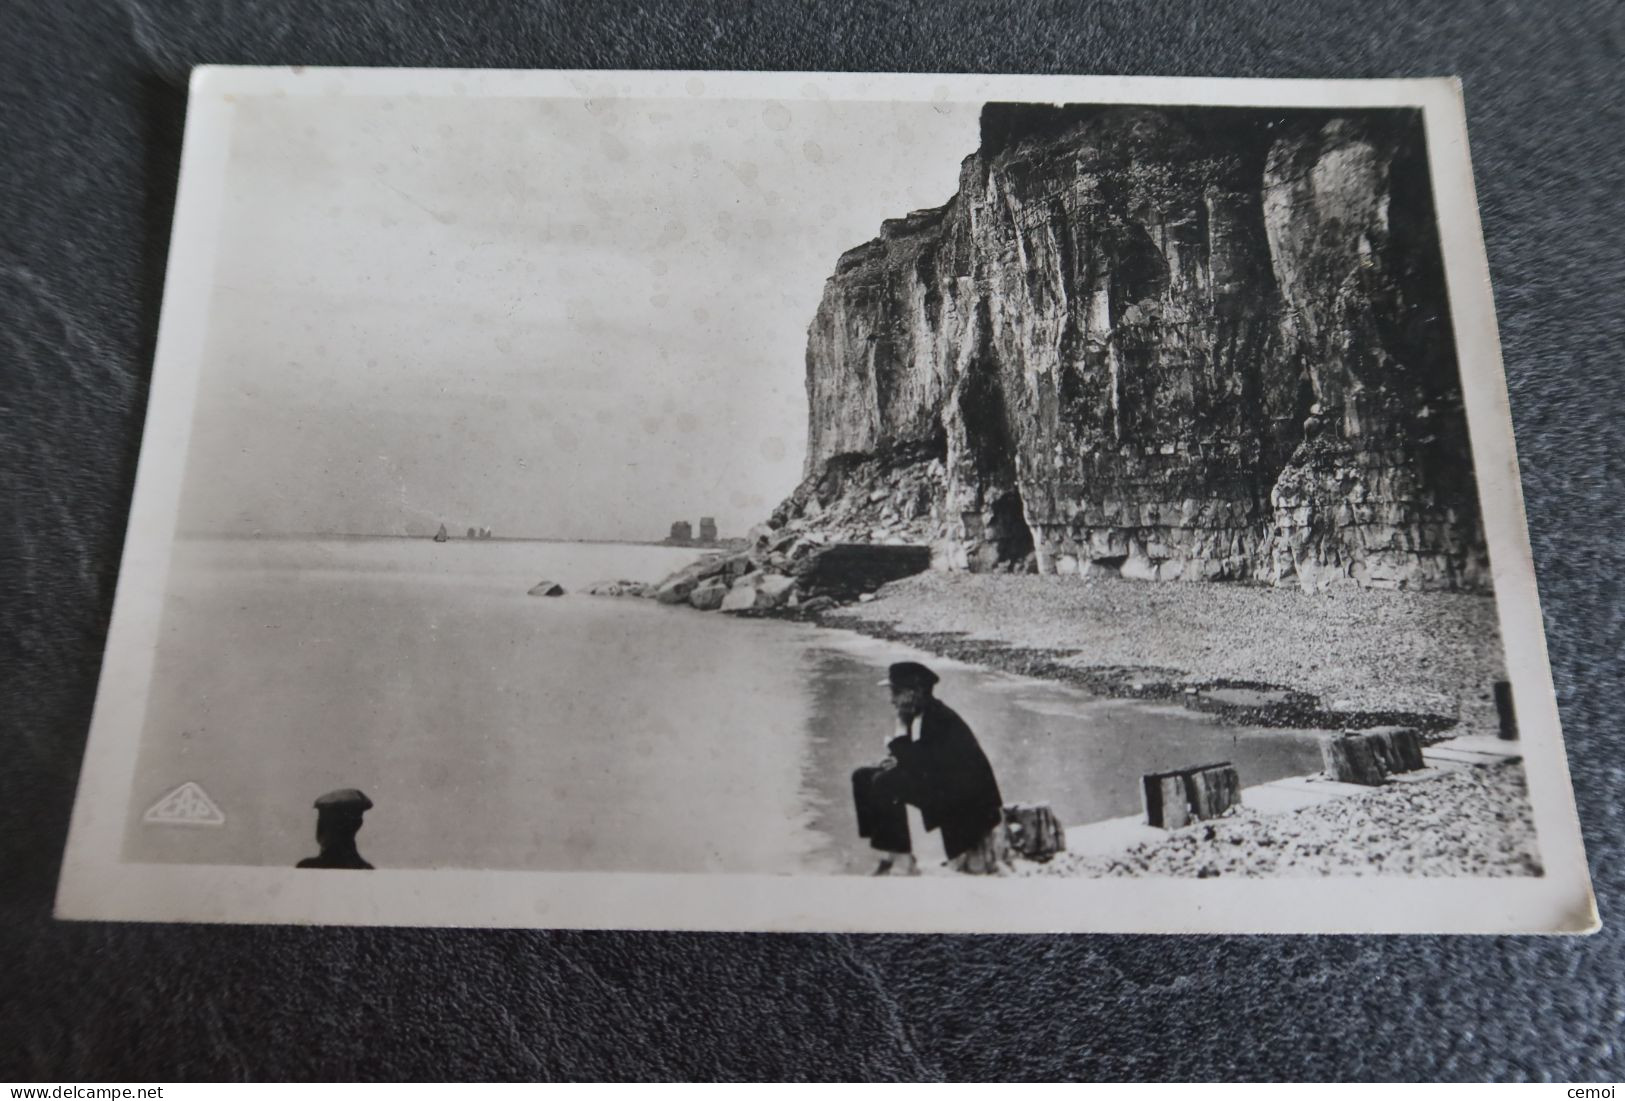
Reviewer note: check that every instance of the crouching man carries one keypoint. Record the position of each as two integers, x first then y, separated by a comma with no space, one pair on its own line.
934,763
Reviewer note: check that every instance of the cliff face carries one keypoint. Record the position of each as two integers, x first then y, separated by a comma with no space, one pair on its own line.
1174,343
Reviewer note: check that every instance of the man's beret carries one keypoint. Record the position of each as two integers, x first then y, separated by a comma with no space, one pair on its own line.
344,799
909,674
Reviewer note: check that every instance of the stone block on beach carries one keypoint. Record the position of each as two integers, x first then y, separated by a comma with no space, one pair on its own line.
1351,758
1033,830
1213,791
1165,802
1397,748
546,588
1182,796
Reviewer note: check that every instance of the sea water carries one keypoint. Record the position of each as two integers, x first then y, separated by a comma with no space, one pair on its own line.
493,729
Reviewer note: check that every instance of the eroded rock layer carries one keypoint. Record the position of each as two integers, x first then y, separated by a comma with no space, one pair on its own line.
1202,344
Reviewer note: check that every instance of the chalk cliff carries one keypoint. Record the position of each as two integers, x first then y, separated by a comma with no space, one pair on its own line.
1197,344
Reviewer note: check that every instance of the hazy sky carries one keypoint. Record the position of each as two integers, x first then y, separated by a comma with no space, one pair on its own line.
571,318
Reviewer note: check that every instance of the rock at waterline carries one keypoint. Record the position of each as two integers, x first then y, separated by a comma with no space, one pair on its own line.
616,588
677,589
759,590
546,588
767,578
744,598
714,565
708,597
773,590
740,598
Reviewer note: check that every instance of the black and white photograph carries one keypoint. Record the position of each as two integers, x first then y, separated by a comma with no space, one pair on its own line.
809,502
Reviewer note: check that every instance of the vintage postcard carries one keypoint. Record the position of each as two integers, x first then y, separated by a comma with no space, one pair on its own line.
798,501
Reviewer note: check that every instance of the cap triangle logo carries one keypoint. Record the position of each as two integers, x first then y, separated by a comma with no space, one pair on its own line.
187,805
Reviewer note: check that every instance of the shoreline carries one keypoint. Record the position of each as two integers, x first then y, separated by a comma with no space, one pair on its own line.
1337,660
698,548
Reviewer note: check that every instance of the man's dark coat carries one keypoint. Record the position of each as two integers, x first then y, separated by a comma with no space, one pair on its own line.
337,857
944,772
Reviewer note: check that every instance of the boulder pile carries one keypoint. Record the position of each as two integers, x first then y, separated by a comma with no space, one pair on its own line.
785,570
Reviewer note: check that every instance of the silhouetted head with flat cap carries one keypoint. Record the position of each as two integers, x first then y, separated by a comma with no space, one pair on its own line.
911,685
338,820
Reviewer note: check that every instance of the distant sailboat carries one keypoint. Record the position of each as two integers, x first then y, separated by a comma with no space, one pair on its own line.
440,536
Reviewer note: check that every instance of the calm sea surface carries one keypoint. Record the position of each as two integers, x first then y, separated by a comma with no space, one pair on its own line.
498,730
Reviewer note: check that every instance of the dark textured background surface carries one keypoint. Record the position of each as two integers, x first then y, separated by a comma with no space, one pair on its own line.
93,99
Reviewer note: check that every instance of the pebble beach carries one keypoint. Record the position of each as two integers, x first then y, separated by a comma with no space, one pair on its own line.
1356,650
1470,821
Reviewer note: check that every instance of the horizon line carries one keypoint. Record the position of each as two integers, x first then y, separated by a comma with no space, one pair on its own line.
449,537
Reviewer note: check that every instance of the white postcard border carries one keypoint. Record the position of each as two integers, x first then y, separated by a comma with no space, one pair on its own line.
97,884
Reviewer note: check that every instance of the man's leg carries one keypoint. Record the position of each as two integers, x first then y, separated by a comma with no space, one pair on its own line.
883,820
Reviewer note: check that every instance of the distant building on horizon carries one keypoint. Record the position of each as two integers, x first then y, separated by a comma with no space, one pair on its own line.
682,533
